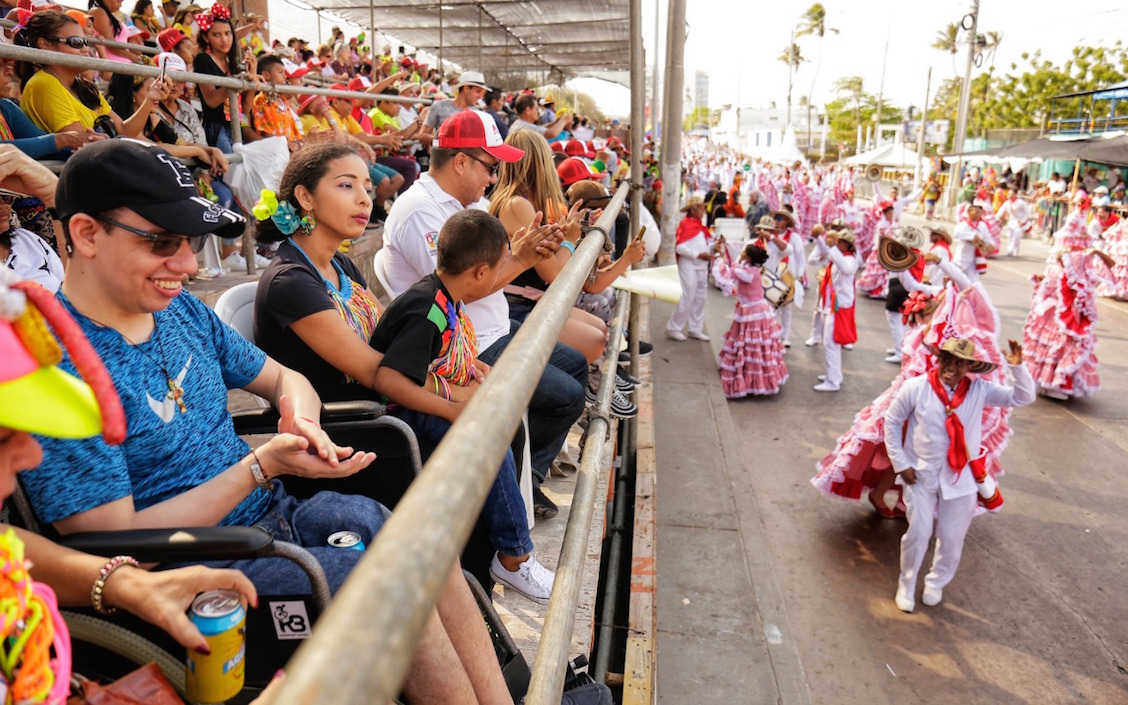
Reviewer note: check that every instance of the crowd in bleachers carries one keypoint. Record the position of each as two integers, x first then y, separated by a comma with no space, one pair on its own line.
483,197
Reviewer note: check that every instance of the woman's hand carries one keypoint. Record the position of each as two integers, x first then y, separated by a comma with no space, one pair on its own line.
21,173
163,597
1014,352
218,160
159,90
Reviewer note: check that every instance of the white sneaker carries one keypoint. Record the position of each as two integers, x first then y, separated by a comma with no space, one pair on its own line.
848,346
822,378
890,351
904,600
675,335
235,262
811,342
531,579
825,386
894,359
1054,394
698,335
261,262
932,595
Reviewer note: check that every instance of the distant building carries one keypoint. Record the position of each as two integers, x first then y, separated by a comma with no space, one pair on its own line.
700,89
762,129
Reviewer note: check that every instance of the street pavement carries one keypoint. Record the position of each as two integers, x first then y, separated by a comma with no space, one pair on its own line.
769,592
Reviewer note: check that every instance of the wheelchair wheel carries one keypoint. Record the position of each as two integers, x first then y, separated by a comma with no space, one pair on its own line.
105,651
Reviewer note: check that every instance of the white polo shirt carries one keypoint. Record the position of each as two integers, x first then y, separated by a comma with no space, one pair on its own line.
411,237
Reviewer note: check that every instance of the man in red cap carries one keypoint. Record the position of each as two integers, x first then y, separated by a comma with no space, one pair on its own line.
574,169
464,163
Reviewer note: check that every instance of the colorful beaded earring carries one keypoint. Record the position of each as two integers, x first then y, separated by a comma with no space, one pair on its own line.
307,224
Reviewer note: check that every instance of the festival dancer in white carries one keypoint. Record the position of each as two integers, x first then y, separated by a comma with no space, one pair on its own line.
944,411
836,303
1014,214
694,251
971,235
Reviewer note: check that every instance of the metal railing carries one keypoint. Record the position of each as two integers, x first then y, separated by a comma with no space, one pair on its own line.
435,516
110,43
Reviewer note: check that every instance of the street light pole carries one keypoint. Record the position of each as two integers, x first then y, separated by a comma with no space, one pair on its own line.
672,128
790,74
965,97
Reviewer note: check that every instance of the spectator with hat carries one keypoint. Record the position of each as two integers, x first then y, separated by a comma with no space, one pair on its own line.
464,162
694,252
525,105
574,169
468,92
548,114
175,41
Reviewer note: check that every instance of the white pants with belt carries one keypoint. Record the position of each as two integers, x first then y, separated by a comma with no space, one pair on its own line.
952,519
694,277
832,352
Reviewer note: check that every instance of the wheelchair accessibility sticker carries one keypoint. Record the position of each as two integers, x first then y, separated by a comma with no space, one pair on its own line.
291,621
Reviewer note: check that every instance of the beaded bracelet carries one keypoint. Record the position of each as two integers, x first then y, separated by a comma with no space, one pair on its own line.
104,575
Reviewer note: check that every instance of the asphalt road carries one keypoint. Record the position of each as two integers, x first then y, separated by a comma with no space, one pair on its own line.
770,592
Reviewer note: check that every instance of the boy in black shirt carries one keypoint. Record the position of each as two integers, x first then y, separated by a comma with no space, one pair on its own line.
425,330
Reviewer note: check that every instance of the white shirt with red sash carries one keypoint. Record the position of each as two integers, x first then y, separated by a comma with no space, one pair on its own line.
926,439
841,271
964,253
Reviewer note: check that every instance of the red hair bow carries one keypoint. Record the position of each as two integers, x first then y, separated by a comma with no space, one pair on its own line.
23,16
917,302
217,12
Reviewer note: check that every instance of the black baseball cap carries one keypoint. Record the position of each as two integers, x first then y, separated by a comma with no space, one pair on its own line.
127,173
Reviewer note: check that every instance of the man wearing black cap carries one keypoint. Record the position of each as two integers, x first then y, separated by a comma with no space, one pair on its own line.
132,221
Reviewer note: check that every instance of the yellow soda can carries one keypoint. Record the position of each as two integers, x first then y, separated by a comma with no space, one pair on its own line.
219,676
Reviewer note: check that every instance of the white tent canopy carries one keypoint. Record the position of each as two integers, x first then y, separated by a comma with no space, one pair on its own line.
896,156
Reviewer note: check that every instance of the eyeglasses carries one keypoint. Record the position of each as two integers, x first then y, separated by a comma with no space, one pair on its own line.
8,199
72,42
492,168
163,244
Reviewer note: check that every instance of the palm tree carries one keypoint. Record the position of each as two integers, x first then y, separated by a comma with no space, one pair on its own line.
854,86
948,40
792,56
813,22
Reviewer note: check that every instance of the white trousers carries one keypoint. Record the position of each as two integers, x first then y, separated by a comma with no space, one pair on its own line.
694,277
952,519
817,322
784,315
832,352
1014,240
897,329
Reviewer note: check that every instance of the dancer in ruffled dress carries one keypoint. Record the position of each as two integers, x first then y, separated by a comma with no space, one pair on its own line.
873,279
1116,246
1060,335
751,359
859,465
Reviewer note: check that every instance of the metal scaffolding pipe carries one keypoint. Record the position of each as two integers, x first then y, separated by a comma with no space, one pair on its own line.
638,111
138,48
547,682
55,58
408,563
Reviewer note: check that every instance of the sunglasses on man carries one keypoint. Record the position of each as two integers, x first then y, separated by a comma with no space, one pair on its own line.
162,244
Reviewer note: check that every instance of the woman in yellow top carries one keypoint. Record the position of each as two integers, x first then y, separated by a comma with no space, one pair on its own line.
58,98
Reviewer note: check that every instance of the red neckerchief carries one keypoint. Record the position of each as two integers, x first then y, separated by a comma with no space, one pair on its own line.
917,270
957,443
1113,219
826,289
689,228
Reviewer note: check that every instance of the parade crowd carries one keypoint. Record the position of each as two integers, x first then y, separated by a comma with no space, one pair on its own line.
935,437
482,195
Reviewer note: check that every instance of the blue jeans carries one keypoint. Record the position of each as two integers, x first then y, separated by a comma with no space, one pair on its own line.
557,401
504,510
308,523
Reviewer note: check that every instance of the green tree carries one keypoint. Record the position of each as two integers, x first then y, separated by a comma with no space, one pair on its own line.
948,40
853,87
813,23
793,57
701,117
853,107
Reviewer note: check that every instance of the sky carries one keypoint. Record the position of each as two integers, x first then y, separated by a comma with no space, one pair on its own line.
738,44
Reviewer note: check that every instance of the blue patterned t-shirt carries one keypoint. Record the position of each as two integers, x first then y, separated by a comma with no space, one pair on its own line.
169,449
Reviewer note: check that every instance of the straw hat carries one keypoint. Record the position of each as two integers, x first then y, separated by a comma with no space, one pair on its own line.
944,234
964,349
786,216
691,202
899,250
766,223
844,235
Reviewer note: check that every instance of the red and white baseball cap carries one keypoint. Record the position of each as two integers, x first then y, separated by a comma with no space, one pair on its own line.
574,169
471,129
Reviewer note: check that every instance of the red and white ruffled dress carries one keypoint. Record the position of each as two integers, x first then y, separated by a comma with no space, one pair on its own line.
751,360
859,457
1116,245
1059,341
874,279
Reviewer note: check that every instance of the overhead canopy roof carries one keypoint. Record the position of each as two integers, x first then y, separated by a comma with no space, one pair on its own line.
1111,150
496,37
